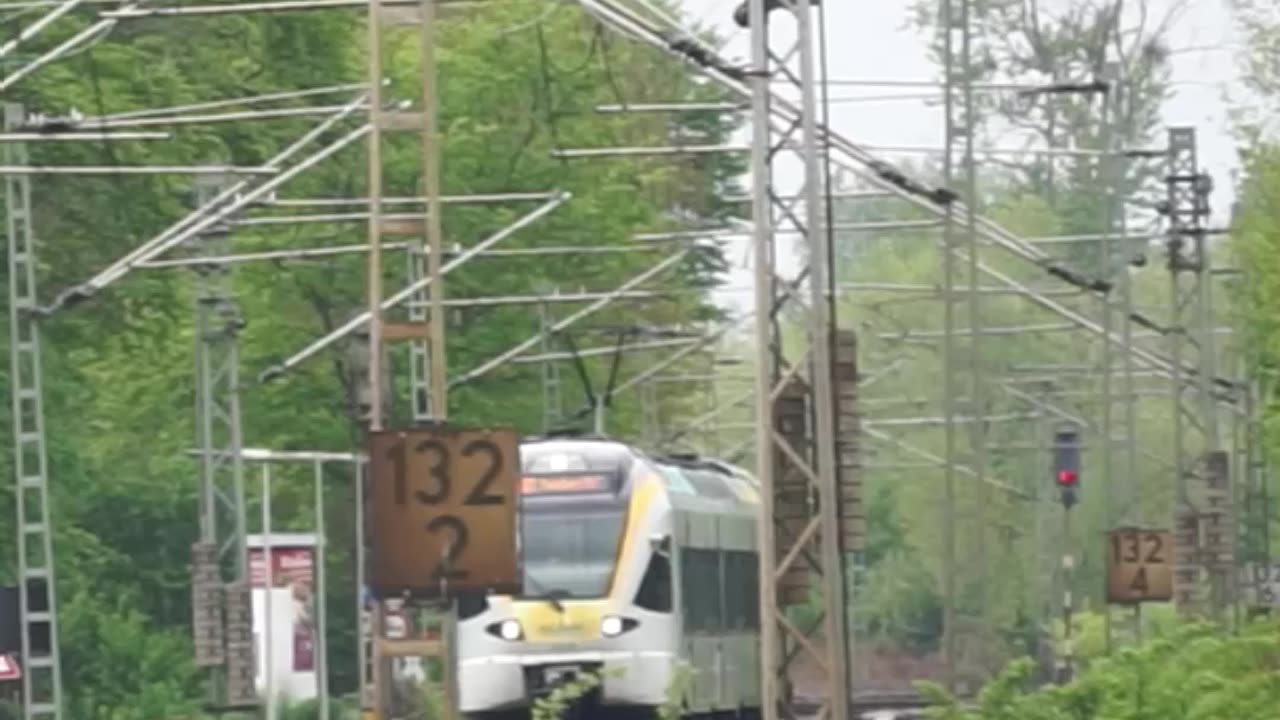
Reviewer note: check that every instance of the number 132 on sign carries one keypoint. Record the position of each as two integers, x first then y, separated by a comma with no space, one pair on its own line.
1139,566
442,511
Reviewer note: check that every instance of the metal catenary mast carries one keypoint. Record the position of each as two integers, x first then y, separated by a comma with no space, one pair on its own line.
817,544
959,126
429,382
42,666
221,621
1205,536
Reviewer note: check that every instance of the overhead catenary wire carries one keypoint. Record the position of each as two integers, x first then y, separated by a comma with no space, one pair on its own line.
678,41
405,293
1031,291
215,210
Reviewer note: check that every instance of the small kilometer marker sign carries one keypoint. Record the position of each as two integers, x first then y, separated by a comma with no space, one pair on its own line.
9,669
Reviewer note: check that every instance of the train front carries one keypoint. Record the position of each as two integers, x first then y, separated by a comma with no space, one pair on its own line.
595,528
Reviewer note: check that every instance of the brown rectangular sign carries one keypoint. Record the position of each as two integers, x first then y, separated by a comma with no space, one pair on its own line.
1139,566
442,511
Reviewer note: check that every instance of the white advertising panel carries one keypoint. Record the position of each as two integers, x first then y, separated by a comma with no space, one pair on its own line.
284,619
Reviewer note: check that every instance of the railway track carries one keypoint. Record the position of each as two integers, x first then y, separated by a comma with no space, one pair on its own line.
872,705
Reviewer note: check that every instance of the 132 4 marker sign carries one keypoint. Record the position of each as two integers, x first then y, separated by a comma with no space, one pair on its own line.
1139,566
442,511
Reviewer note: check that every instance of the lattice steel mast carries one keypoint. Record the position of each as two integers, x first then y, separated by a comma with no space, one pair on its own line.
429,381
38,606
1205,537
959,124
220,617
552,395
1119,506
821,532
419,304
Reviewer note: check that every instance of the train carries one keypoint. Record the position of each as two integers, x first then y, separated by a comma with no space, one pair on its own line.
637,568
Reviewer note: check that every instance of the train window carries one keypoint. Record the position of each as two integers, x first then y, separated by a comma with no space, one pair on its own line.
570,553
742,595
700,582
675,482
709,483
655,587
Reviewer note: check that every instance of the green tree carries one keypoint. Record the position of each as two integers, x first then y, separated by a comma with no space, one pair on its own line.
517,81
1192,672
1029,45
1255,238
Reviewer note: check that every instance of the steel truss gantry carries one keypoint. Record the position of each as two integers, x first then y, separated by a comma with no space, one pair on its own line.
37,604
779,462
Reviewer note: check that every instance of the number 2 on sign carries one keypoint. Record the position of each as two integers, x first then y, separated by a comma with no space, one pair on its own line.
440,480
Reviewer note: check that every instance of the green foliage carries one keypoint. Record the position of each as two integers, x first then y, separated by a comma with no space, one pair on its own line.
898,314
1193,673
1088,628
127,670
1254,242
1258,25
1013,42
516,82
677,690
898,601
554,704
1009,534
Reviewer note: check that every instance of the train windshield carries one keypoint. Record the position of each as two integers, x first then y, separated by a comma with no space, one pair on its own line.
572,512
569,553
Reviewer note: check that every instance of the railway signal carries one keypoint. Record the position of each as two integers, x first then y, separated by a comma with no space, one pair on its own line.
1066,465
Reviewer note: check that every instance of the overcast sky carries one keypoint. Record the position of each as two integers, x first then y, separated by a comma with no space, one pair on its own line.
868,40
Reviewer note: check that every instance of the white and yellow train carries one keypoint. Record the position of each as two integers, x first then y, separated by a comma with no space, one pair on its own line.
633,565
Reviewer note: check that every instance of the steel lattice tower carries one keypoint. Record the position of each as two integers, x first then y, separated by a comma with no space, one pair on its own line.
426,327
817,542
42,676
223,640
1205,536
959,127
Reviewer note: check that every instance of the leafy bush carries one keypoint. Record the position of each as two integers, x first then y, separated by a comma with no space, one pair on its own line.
1191,673
554,705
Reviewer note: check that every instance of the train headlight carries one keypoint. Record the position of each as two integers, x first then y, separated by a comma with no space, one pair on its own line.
611,626
509,630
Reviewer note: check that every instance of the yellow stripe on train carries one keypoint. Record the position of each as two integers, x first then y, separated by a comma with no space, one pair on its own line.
542,622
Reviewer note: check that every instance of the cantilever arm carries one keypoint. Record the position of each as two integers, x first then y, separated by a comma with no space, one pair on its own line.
523,347
208,214
363,318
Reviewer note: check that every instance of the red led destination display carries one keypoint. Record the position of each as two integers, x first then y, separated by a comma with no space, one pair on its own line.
554,484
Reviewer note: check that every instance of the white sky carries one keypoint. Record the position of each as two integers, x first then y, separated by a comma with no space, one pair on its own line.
869,40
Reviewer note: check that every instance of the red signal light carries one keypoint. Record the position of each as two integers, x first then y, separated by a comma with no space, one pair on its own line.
1066,477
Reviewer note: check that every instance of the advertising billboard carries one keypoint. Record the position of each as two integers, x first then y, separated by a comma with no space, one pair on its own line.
284,612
